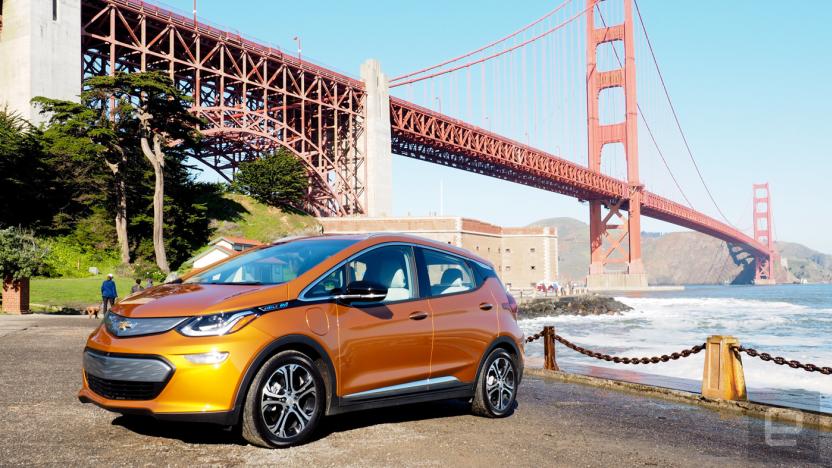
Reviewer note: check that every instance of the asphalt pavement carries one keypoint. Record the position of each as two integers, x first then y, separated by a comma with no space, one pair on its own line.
554,424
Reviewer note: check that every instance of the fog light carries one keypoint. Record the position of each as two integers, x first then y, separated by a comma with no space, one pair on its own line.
214,357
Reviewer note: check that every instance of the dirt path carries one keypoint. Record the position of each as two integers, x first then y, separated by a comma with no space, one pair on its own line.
555,424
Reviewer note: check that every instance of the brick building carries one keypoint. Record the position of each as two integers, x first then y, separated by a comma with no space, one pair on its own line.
523,256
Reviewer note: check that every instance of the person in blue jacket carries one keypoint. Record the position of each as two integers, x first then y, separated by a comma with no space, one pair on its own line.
108,294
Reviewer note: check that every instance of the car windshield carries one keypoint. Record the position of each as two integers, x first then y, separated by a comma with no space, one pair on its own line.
272,265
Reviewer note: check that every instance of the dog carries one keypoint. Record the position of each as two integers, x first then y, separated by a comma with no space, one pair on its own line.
92,311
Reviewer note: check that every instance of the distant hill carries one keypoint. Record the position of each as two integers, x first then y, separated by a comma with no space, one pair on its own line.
804,262
688,257
573,246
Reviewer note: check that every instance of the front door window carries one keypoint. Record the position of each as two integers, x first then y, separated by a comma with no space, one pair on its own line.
391,267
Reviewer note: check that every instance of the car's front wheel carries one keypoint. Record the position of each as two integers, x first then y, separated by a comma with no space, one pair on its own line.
496,389
284,402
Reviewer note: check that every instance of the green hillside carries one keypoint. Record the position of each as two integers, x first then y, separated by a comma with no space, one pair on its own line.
242,216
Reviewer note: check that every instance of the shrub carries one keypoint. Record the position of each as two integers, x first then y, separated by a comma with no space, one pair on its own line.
20,255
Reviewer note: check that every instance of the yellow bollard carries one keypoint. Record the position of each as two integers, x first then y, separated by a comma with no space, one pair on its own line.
723,377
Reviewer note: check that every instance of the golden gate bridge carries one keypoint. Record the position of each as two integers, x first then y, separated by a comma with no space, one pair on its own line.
552,105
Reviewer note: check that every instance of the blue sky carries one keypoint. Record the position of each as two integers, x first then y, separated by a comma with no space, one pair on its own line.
747,78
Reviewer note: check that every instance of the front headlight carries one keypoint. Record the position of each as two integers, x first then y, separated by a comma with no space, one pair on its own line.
217,324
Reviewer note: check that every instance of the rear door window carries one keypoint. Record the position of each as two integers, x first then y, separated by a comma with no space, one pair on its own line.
447,274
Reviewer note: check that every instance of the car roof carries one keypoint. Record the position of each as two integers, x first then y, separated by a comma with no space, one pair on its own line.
373,238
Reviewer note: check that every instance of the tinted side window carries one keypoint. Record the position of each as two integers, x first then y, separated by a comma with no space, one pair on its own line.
447,274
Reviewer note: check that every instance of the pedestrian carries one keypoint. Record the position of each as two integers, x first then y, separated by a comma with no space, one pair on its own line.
149,283
137,287
108,294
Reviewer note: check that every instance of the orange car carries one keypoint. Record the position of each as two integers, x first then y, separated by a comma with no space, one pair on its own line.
277,337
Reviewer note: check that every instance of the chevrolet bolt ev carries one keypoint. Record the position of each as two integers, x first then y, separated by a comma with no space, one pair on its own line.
277,337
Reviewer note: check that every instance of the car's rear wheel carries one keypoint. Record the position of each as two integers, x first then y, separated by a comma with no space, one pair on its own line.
284,402
496,389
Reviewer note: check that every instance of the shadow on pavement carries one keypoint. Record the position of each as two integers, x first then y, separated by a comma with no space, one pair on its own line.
195,433
396,414
192,433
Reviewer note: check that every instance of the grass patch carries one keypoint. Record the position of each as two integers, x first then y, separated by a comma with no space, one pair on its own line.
69,259
254,220
73,292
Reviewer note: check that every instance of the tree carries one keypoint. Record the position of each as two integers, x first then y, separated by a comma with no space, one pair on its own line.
164,123
278,179
94,131
125,111
30,190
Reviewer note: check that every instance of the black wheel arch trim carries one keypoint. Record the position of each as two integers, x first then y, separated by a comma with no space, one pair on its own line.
497,343
285,342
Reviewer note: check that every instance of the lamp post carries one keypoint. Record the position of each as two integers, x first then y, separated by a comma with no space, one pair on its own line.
300,49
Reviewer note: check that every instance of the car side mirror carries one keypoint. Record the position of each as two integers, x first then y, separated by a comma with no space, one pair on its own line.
363,291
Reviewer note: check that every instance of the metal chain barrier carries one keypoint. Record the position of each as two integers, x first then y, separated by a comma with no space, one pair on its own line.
617,359
783,361
628,360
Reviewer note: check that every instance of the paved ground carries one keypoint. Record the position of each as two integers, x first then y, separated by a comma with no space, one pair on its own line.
555,423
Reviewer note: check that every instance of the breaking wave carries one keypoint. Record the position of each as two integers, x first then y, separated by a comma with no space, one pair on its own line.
661,325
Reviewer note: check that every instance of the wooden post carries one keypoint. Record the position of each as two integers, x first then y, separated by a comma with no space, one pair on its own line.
723,376
549,361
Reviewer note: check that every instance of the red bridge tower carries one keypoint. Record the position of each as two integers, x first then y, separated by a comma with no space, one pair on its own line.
764,234
615,238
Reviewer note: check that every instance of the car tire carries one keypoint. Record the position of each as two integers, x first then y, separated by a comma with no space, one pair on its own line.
496,388
285,401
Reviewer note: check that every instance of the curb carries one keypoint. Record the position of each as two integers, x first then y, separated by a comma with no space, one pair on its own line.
789,415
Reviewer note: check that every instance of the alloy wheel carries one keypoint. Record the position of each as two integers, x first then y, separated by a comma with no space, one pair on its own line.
500,384
288,400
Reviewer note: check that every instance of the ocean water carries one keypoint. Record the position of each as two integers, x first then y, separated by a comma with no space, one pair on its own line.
793,321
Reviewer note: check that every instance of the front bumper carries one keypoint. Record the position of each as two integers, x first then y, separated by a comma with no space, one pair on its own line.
151,375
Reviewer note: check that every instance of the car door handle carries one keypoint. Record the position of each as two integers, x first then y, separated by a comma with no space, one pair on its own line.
418,315
486,306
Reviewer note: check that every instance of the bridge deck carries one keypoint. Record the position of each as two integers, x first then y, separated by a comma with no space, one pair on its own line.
421,133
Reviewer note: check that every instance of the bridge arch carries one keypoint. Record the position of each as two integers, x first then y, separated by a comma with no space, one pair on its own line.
234,134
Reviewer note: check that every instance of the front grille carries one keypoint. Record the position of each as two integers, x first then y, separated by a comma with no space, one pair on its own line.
124,389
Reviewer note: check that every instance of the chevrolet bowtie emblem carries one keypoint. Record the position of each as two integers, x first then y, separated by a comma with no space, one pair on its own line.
125,325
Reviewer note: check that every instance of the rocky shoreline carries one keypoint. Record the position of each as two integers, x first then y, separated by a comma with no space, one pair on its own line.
571,305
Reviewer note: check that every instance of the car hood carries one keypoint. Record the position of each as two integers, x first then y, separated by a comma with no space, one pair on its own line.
181,300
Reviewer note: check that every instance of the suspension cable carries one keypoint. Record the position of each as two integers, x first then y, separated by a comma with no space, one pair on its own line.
676,118
488,46
647,126
495,55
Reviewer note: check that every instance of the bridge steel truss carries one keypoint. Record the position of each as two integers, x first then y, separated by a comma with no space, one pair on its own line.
253,99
